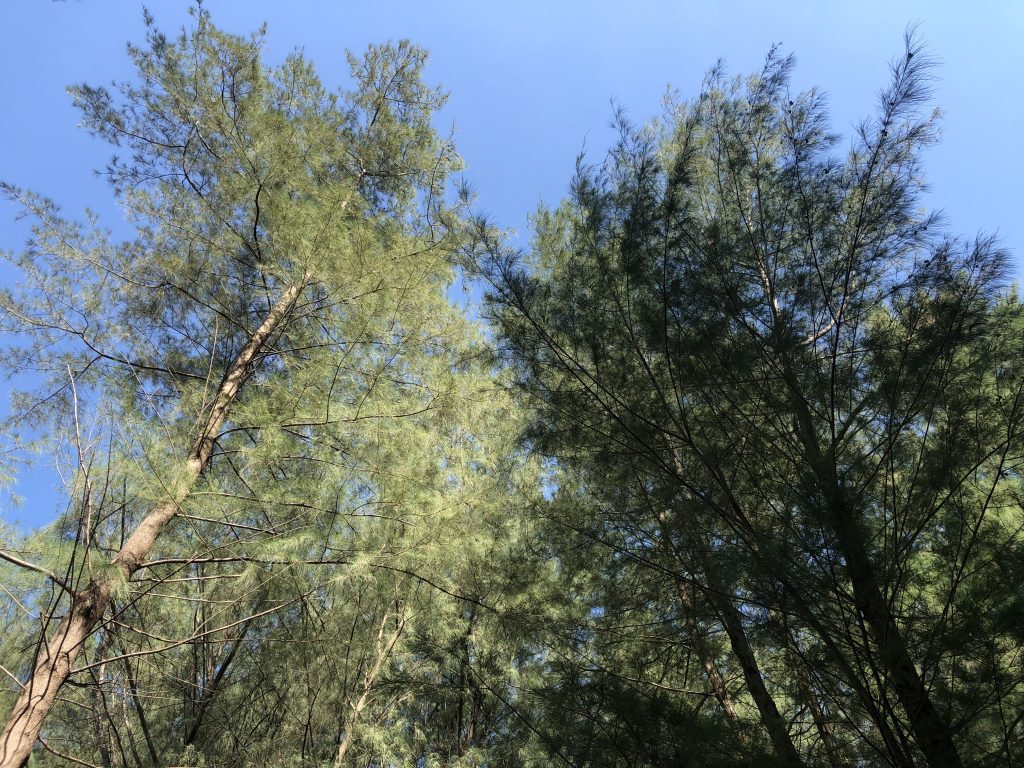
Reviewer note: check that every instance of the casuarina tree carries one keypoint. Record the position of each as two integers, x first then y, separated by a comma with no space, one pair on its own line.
798,404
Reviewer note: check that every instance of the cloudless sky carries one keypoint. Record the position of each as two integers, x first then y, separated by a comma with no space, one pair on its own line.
531,84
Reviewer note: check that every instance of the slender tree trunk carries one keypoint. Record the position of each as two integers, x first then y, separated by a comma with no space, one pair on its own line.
99,712
212,686
58,653
140,710
897,755
710,669
384,649
930,730
464,741
771,718
826,730
683,590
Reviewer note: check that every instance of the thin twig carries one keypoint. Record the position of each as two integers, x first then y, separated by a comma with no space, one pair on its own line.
37,568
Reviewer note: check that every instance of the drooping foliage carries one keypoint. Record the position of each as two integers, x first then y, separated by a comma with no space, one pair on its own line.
292,463
788,411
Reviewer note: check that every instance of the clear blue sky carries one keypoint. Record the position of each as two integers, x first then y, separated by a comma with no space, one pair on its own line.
531,83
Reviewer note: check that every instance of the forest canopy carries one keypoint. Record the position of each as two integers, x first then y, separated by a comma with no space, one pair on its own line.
726,472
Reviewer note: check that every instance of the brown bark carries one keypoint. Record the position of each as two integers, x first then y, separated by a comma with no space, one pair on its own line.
896,753
930,730
710,669
100,714
822,724
140,710
213,686
683,590
57,653
384,648
465,741
771,719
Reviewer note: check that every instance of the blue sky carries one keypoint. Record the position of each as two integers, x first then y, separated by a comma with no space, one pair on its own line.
531,85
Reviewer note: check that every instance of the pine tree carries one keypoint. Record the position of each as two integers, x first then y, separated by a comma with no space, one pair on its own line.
297,425
778,383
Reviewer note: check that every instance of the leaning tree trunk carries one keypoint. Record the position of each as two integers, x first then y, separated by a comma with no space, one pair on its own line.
825,728
704,653
930,731
771,718
57,653
684,592
385,646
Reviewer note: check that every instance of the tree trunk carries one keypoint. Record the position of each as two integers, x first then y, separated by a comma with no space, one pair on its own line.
826,729
384,649
212,686
683,590
102,721
897,755
57,654
930,730
771,718
464,740
711,671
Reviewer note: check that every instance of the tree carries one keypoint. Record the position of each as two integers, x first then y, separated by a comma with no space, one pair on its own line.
778,383
294,416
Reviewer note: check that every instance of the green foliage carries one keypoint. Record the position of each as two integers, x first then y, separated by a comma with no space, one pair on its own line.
740,484
768,378
317,592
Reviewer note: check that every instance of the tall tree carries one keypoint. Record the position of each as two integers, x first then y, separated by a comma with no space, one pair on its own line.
293,406
811,396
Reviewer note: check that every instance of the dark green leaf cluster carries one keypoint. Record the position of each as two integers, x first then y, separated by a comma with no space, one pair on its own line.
776,390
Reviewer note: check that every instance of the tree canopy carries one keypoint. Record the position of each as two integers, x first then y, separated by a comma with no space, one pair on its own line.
728,473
